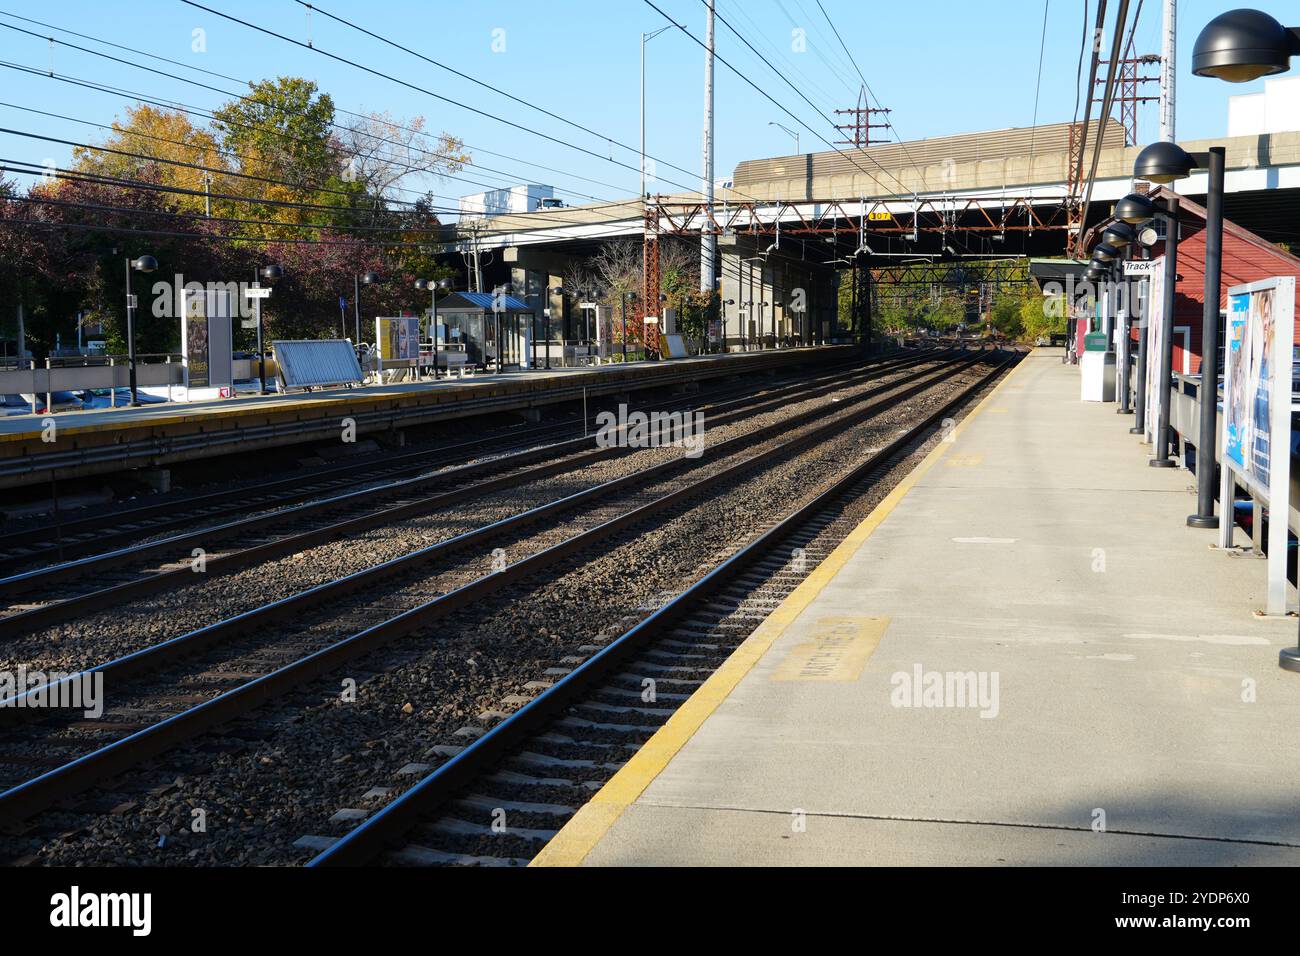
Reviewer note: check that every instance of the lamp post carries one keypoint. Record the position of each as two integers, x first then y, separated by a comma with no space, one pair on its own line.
433,287
498,307
722,333
1237,46
1137,210
1118,236
789,131
145,264
645,38
369,278
1208,395
1166,163
546,324
626,298
659,315
1161,163
271,274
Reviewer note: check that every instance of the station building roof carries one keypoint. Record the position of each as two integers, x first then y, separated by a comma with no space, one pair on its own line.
482,302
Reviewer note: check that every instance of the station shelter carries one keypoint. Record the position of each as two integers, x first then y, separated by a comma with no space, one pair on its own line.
494,330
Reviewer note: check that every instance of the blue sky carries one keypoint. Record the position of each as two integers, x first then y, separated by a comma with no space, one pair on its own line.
943,66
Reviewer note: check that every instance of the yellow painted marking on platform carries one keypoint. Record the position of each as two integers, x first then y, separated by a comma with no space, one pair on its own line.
997,411
589,825
973,460
837,652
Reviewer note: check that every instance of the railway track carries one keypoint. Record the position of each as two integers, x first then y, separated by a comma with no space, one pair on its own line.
501,798
31,544
229,691
50,595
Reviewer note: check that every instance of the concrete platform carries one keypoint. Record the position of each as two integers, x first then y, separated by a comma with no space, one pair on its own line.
1132,711
112,439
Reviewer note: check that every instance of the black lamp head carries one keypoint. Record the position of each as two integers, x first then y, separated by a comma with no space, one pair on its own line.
1164,163
1118,235
1134,208
1243,45
1103,253
271,273
145,264
370,278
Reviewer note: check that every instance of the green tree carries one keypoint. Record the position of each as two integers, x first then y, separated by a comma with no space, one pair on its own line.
281,132
1006,316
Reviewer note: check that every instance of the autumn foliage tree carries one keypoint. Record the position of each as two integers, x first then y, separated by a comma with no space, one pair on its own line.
274,177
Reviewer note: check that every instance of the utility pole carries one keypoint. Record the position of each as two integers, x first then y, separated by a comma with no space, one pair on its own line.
207,195
859,130
708,241
1168,54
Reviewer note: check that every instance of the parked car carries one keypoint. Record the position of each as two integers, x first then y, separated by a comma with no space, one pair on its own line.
16,405
103,397
59,402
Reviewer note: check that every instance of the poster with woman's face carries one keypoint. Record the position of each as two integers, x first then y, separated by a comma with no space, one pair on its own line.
1252,367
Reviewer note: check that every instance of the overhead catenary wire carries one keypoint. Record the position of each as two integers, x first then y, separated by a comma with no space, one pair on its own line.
438,96
509,176
1117,46
74,175
870,92
1038,83
770,98
101,148
234,79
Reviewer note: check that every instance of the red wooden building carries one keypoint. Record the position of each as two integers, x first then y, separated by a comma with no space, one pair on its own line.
1246,258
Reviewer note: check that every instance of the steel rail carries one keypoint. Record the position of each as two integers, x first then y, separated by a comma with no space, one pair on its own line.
394,465
22,622
386,827
156,655
32,796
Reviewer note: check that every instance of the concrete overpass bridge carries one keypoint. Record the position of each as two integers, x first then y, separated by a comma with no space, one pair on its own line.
796,224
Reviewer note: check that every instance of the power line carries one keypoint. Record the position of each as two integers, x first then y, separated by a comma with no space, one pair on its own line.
867,86
509,176
438,96
1038,85
78,175
225,172
766,95
1107,102
235,79
455,72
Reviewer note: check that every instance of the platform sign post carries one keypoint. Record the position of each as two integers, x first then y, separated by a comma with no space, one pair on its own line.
1155,308
1255,445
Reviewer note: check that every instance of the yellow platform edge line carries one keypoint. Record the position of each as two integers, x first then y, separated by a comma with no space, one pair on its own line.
589,825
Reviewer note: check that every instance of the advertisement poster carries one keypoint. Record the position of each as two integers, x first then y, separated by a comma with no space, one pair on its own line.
399,340
196,344
1257,358
1150,317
